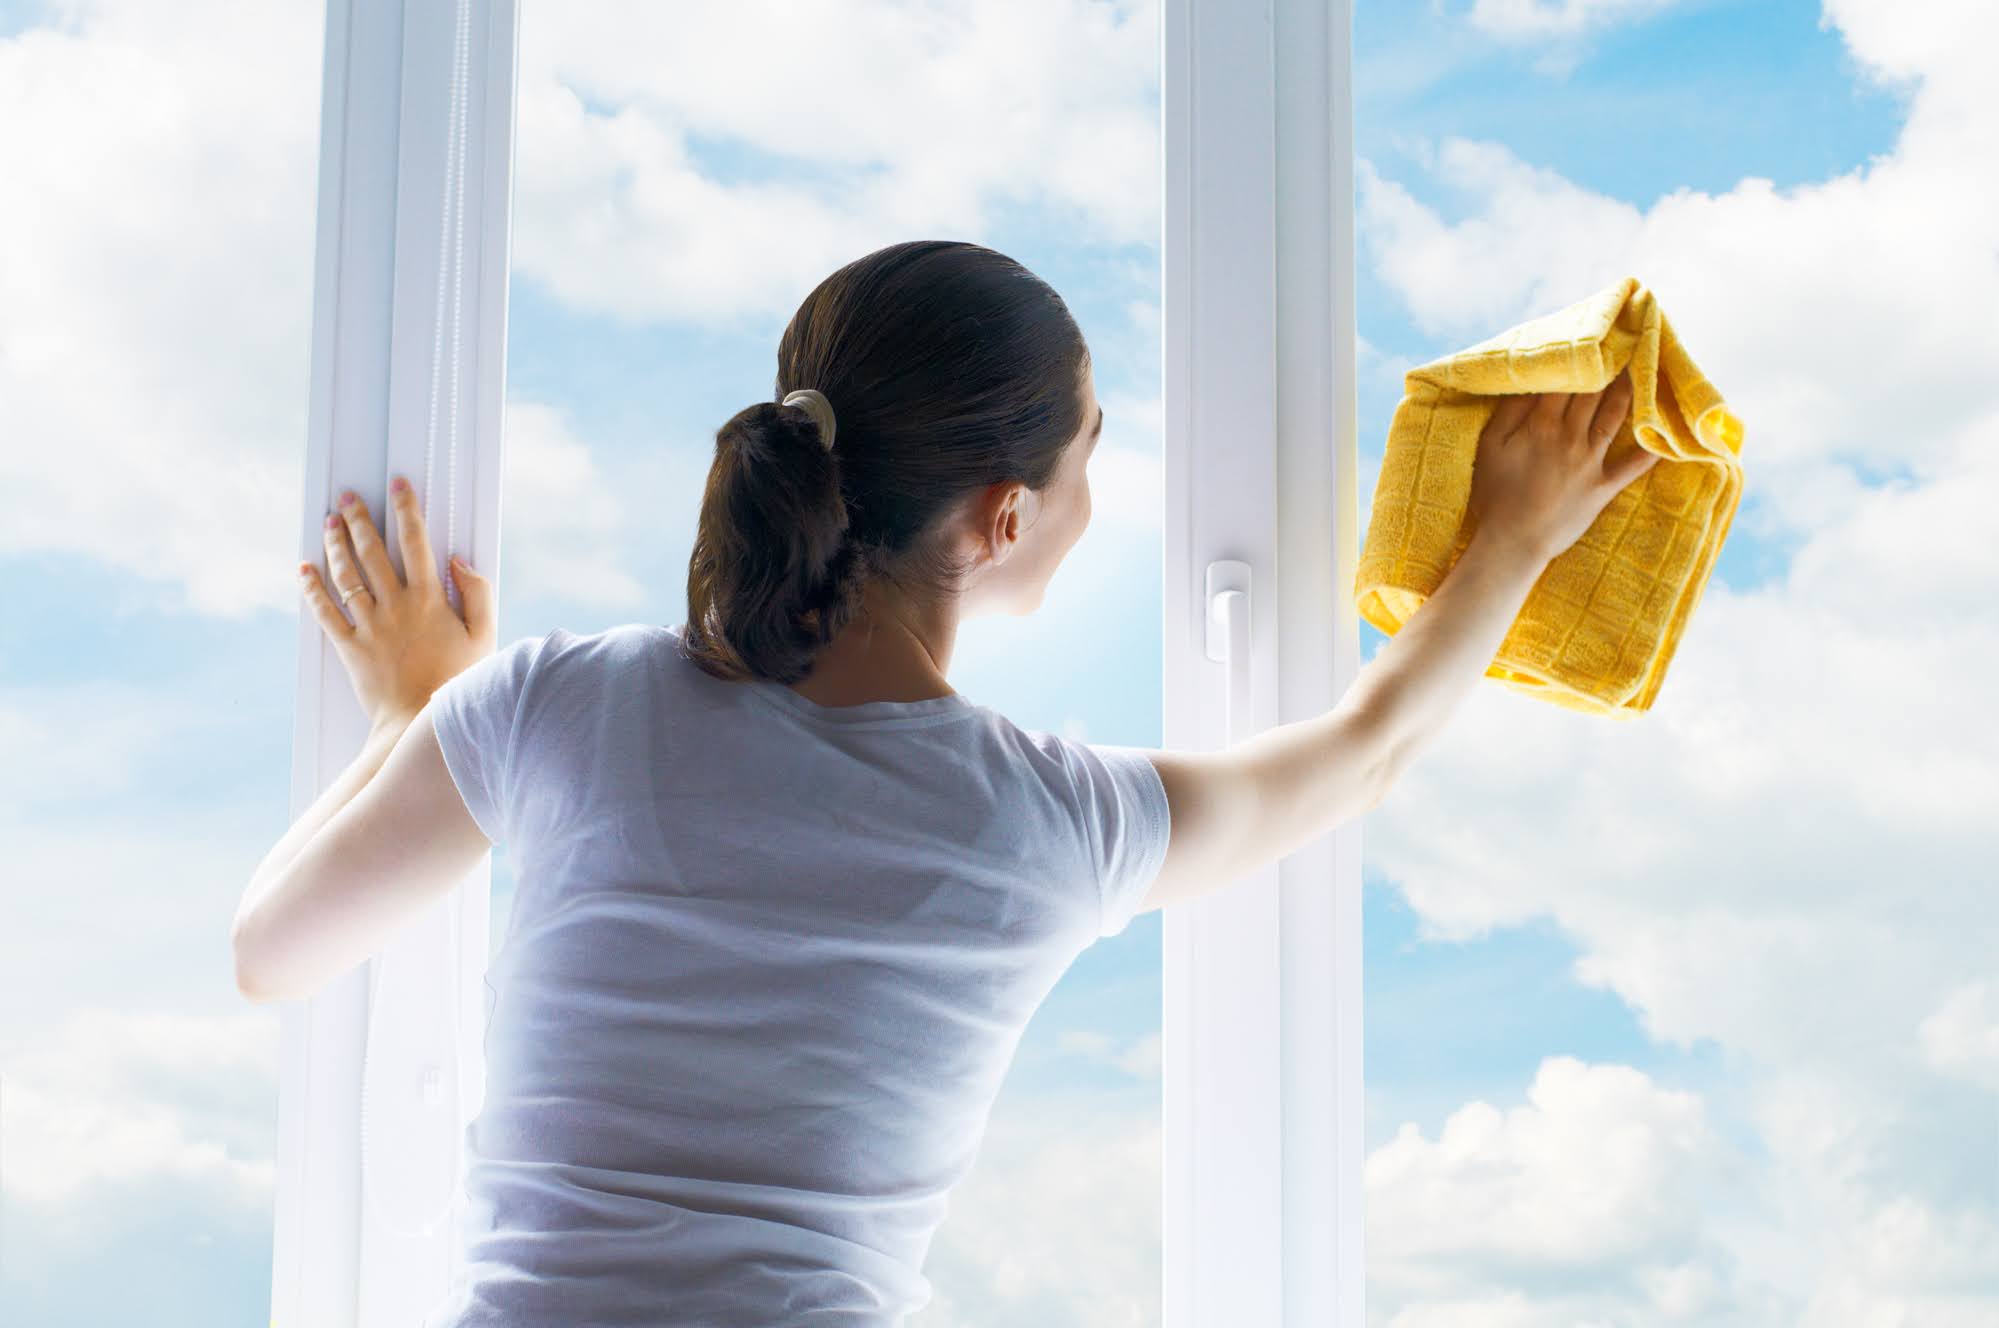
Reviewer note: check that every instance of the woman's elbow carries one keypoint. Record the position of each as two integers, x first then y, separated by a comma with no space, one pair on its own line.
252,981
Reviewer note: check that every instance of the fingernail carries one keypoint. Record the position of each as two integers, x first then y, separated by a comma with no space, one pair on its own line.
398,484
332,520
346,497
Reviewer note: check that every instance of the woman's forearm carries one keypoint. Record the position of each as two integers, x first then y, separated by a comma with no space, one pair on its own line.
1414,683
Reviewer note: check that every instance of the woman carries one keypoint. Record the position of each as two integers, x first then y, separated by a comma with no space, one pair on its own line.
785,899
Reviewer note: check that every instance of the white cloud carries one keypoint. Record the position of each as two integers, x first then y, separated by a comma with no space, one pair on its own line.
155,296
116,1097
1941,50
117,896
1962,1036
1556,31
1127,487
1790,855
1058,1224
1601,1177
1454,279
90,740
564,517
1539,20
889,123
1139,1057
131,908
1907,1261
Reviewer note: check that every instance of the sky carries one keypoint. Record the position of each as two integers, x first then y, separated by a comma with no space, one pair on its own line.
1693,1020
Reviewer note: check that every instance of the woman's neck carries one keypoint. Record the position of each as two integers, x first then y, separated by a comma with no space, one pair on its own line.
890,651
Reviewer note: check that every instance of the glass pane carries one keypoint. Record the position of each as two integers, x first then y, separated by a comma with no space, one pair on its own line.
156,236
685,176
1695,1018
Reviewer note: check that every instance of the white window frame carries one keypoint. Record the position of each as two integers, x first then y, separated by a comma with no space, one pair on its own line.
407,377
1262,1100
1262,1097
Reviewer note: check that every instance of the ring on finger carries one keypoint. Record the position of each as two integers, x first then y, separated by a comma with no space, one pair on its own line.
346,595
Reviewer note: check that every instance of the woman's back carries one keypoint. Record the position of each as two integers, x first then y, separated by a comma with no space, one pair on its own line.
767,965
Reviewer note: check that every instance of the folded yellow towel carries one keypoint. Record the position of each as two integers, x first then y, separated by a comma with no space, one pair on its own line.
1600,626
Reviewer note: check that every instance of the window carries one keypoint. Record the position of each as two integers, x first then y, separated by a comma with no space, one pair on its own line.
628,145
420,275
1688,1021
1691,1020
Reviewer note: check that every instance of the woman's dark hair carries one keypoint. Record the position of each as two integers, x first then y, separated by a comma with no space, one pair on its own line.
949,367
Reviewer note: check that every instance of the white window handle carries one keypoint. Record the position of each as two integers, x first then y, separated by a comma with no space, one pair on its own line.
1229,642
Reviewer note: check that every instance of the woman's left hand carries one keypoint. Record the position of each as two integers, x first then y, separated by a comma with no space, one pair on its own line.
406,640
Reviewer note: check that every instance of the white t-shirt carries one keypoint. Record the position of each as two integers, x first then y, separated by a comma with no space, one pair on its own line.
767,964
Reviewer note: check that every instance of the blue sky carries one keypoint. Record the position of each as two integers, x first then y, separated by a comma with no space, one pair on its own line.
1690,1020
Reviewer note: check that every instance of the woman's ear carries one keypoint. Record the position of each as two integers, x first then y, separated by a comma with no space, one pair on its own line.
1030,510
1004,531
1002,525
1008,511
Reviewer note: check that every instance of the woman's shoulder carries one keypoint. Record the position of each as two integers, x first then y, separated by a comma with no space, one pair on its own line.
618,642
563,657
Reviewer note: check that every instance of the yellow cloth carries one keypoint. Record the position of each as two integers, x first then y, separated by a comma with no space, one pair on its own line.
1600,626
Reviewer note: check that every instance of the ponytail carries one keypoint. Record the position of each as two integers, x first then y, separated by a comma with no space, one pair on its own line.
774,574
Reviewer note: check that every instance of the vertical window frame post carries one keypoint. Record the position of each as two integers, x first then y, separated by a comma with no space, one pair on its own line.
1262,1096
407,377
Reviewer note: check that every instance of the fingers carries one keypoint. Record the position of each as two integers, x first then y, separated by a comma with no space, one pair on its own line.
1548,409
357,556
1607,411
475,592
1579,410
344,572
321,604
368,546
1508,414
419,564
1630,467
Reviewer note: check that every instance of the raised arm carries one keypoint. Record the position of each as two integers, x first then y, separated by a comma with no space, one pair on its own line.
1538,482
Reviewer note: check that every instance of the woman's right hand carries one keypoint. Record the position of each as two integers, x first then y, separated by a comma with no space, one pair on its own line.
1539,478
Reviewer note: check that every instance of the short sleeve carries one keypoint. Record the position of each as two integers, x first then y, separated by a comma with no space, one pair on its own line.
1126,814
476,716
